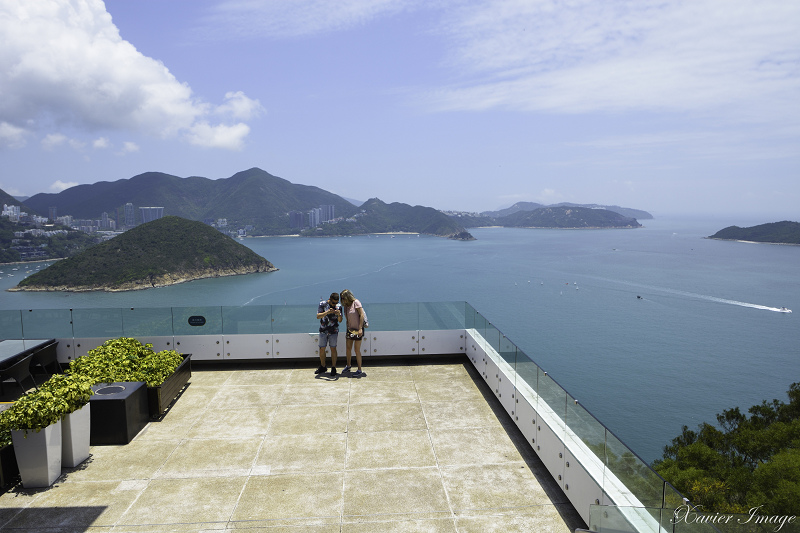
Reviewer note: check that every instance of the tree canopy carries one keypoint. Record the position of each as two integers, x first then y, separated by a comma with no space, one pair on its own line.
744,462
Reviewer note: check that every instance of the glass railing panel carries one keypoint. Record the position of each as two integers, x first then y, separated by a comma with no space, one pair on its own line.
480,326
553,396
102,323
672,498
492,336
588,429
10,325
147,322
608,519
393,317
527,372
680,522
507,351
635,474
613,519
470,314
441,315
247,320
296,319
197,320
47,323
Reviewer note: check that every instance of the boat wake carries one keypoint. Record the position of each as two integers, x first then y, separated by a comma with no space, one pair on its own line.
705,297
723,300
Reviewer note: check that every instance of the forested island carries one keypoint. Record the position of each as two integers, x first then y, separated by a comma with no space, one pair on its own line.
565,217
774,233
163,252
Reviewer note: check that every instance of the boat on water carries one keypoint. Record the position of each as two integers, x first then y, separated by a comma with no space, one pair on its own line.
784,310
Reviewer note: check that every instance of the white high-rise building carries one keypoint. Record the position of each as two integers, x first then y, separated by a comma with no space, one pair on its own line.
130,215
314,217
151,213
327,213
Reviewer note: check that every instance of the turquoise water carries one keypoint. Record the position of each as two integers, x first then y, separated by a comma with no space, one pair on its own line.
704,336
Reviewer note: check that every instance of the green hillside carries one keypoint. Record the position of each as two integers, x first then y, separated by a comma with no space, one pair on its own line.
568,218
54,247
7,199
163,252
252,197
376,216
774,232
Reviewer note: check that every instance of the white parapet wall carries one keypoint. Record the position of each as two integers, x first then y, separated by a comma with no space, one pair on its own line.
579,472
283,345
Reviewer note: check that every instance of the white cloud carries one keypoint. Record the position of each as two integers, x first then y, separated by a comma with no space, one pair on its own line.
548,196
63,63
59,185
101,143
239,107
221,136
128,147
11,136
293,18
53,140
611,56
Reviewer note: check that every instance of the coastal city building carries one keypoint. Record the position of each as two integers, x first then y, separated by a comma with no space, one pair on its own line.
151,213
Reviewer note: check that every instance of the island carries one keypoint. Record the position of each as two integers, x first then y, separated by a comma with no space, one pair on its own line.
163,252
564,217
784,232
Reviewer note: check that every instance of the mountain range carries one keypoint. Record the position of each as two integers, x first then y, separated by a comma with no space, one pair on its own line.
251,197
261,202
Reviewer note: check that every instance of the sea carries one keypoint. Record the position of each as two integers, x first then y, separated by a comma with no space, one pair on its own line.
650,329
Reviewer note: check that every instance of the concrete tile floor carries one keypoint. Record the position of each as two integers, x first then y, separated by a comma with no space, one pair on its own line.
416,445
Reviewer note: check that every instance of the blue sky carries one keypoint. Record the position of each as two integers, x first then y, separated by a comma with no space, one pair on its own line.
676,107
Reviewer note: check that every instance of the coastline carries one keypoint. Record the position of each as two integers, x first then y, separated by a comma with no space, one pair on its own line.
165,280
754,242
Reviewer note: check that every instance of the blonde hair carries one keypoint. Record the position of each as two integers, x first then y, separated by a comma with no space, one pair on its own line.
347,298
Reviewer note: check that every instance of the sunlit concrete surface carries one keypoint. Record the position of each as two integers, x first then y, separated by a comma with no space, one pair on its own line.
415,445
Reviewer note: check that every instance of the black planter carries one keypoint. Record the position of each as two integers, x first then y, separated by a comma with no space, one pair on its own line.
119,412
9,472
159,398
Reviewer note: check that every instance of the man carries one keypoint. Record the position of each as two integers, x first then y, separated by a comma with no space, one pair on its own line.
329,314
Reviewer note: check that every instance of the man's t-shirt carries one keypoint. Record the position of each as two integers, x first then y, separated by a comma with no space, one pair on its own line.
327,324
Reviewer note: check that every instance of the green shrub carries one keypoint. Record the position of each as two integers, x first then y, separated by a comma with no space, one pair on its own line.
56,397
126,359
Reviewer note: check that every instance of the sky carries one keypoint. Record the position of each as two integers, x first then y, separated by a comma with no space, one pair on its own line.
679,107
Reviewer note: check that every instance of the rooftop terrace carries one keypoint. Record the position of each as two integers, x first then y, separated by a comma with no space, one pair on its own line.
415,445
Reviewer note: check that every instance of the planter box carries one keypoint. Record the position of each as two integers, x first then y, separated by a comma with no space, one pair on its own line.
75,436
159,398
119,412
38,455
9,471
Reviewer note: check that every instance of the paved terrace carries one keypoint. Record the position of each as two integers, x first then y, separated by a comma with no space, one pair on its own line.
416,445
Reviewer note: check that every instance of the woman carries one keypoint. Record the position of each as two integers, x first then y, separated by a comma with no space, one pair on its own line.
354,317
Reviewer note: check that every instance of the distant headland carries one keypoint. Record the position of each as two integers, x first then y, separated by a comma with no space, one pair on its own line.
784,232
